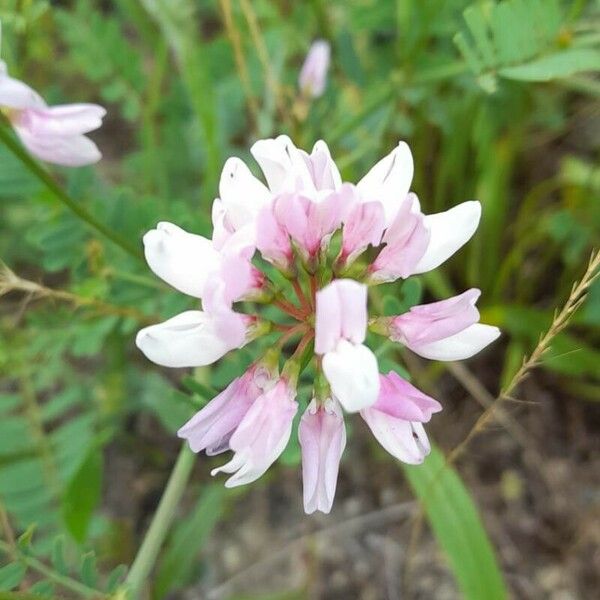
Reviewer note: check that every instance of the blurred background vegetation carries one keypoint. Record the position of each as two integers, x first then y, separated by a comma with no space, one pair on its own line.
498,101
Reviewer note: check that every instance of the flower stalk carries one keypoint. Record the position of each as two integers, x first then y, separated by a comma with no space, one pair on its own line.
161,521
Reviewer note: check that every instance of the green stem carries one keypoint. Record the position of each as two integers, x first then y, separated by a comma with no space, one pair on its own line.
36,169
62,580
161,522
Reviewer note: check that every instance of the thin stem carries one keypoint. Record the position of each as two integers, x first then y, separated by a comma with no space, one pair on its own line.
7,530
304,302
238,53
9,282
290,309
308,336
291,332
62,580
161,522
38,171
560,321
263,57
313,289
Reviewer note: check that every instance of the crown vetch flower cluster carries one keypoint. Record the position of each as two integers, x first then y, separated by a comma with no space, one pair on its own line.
54,134
332,241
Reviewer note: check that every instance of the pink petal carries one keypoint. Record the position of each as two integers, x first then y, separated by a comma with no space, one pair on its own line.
323,438
17,95
435,321
63,120
362,228
323,170
313,75
73,151
341,313
261,436
406,241
404,440
400,399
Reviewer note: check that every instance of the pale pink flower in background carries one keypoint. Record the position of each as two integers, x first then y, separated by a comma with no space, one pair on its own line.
262,434
291,221
444,330
52,133
322,436
340,330
396,419
313,75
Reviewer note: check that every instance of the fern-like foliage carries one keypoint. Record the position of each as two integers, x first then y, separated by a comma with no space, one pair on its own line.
67,570
41,452
524,40
101,50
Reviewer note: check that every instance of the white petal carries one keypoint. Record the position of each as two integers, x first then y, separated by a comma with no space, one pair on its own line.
461,345
450,230
326,175
184,260
282,164
352,372
389,180
241,193
396,436
190,339
18,95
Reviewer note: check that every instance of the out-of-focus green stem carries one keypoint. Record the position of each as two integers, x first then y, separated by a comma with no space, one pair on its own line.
161,522
7,138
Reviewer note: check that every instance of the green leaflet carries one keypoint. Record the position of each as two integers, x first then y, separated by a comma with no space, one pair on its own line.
457,526
11,576
181,555
522,40
554,66
83,494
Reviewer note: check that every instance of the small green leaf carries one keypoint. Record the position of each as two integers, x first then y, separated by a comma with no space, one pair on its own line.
560,64
89,571
45,589
457,526
181,554
82,495
58,556
24,541
11,576
115,578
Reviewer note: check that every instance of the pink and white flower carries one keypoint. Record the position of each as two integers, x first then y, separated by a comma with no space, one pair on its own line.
54,134
322,436
194,338
444,330
192,264
313,75
211,427
262,434
290,221
397,418
340,330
